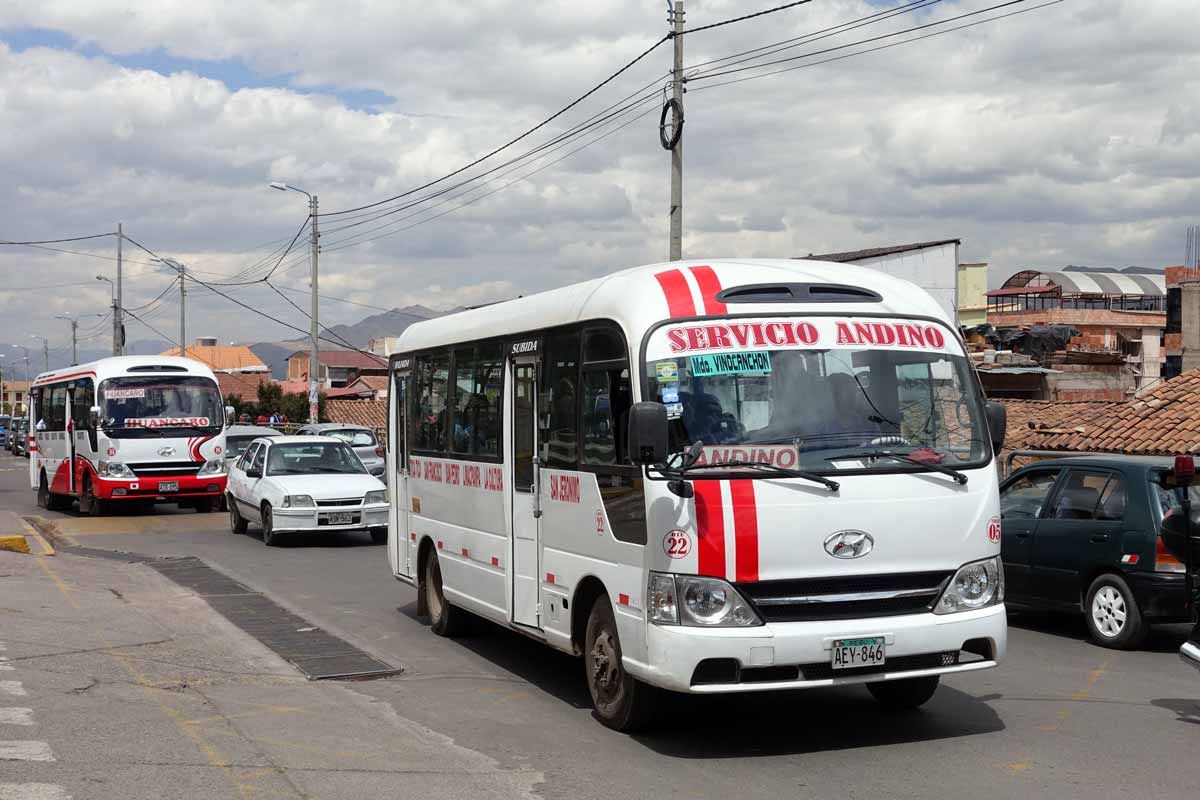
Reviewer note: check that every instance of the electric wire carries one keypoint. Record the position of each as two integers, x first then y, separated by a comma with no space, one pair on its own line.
309,316
745,17
59,241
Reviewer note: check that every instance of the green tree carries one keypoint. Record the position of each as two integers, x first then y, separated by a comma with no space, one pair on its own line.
270,398
294,406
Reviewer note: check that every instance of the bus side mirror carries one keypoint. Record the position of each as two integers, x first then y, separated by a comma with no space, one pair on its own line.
997,422
648,433
94,416
228,416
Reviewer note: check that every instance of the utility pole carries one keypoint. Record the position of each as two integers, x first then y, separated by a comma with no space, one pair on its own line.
314,361
675,16
74,337
182,311
118,315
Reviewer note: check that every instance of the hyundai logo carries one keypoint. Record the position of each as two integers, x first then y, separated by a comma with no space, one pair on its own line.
166,451
849,544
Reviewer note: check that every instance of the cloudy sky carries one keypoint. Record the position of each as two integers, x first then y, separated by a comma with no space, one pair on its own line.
1068,134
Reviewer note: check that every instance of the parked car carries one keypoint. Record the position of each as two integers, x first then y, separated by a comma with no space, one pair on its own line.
5,422
19,438
304,484
1084,534
239,437
360,437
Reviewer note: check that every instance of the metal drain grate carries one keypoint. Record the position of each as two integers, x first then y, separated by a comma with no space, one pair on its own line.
317,653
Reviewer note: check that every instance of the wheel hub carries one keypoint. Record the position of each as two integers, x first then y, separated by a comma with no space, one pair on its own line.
1108,611
605,665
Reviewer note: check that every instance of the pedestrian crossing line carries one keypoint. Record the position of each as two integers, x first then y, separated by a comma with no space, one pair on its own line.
32,791
13,688
16,716
25,751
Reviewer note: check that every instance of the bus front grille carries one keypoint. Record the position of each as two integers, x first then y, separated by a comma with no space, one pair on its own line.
845,597
150,469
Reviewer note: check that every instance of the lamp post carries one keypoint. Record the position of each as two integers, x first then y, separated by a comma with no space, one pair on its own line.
74,331
314,363
26,350
45,351
182,270
118,332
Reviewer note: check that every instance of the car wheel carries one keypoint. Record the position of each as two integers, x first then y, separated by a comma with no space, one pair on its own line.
204,505
236,523
1112,614
270,537
621,701
445,619
904,694
88,502
379,535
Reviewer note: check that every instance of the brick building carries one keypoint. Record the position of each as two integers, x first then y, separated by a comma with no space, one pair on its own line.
338,368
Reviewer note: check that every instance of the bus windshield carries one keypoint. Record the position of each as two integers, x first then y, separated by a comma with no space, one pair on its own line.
819,409
148,403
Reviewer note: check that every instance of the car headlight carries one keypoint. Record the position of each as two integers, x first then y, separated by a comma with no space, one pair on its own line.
115,469
298,501
377,497
975,585
698,602
214,466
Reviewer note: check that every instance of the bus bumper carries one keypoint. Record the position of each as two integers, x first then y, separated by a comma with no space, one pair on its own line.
148,488
797,655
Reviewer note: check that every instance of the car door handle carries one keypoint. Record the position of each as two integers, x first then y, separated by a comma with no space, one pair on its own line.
1100,537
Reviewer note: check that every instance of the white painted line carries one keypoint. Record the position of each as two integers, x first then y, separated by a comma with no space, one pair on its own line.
25,751
16,716
32,791
12,687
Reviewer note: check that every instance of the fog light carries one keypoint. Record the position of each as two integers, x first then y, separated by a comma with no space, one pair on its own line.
212,487
118,492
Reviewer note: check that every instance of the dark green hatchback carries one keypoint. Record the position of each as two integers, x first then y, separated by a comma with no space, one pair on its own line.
1083,533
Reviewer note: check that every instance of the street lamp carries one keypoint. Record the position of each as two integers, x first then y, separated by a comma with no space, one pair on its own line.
74,331
182,270
313,359
26,349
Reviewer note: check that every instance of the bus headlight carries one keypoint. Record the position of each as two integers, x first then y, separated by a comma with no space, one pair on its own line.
377,497
975,585
214,466
115,469
697,601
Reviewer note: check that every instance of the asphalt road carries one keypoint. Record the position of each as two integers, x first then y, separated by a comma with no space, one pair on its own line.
1060,718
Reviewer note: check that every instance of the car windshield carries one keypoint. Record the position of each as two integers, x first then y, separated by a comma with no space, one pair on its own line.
354,438
820,395
313,458
160,401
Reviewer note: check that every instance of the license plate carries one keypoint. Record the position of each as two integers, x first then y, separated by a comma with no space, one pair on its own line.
168,486
340,518
856,653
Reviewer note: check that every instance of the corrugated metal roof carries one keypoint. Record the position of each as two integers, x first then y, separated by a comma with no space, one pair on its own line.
1104,283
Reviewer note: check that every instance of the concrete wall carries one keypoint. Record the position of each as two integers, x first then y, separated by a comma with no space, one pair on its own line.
1090,382
934,269
1190,323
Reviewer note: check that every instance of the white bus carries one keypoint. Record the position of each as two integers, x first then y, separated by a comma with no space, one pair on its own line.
127,429
720,476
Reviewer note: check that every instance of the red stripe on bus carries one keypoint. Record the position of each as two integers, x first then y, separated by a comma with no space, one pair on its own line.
549,577
439,545
466,553
57,378
677,292
710,529
495,561
745,529
623,599
709,285
413,536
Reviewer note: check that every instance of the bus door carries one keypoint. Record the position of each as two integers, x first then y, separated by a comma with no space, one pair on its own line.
525,482
400,549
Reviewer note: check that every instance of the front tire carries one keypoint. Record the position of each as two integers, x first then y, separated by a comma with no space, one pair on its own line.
236,523
88,502
444,619
621,701
204,505
904,694
47,499
270,537
1113,616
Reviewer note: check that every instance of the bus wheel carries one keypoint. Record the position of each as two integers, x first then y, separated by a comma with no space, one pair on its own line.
444,619
88,502
204,505
621,701
904,694
47,499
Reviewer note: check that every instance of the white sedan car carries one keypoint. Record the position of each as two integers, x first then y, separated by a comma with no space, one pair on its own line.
301,484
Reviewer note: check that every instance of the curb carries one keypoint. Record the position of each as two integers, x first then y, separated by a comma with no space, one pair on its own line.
17,535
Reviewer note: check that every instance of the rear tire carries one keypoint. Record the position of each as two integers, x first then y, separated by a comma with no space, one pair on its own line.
1112,614
236,523
270,537
88,502
904,694
444,619
621,701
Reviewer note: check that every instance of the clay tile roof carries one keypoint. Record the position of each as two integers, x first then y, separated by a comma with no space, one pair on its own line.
222,357
244,385
372,413
354,359
1163,421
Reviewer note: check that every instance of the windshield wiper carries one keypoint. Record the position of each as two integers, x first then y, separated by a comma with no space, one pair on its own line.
833,486
959,477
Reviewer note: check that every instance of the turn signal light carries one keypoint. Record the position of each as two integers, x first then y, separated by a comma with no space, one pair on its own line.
379,452
1163,560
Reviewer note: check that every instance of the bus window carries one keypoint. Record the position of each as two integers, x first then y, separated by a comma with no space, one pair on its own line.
429,397
56,420
82,403
523,376
560,435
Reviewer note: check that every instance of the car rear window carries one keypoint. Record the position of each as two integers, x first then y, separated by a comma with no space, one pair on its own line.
354,438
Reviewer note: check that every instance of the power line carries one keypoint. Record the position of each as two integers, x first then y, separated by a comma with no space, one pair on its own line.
881,47
745,17
80,253
60,241
309,316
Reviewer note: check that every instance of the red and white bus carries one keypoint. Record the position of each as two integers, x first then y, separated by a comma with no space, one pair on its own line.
720,476
127,429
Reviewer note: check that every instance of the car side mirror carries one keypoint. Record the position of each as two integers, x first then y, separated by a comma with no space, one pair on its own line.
648,433
94,416
997,422
251,472
229,412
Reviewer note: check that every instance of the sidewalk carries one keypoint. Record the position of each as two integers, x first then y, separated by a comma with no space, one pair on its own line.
117,683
